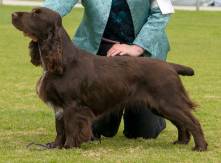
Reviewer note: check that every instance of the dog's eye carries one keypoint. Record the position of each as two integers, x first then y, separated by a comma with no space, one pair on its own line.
36,12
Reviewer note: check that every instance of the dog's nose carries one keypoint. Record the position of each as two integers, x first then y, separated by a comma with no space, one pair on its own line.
14,15
17,14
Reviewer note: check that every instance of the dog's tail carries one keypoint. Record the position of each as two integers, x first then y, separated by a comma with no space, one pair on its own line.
182,70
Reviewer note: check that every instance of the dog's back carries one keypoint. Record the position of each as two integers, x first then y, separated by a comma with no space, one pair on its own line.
113,81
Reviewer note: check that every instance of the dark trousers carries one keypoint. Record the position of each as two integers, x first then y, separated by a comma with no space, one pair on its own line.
138,120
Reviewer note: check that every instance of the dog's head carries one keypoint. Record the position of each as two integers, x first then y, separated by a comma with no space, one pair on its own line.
43,26
38,23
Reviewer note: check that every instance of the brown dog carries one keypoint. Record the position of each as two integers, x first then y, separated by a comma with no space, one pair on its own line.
81,86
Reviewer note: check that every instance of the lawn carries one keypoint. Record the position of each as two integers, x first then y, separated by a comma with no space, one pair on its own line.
195,41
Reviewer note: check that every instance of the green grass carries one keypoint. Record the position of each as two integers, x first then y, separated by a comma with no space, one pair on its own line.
195,41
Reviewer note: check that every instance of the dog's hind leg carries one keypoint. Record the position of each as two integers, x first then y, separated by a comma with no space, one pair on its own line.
197,132
183,134
189,122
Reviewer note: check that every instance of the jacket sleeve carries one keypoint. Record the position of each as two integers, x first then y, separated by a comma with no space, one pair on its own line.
63,7
152,36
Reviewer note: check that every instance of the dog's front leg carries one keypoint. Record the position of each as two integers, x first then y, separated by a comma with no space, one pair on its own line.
60,137
77,123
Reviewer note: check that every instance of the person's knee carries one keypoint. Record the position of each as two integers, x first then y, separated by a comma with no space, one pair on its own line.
148,132
141,122
110,133
104,130
107,125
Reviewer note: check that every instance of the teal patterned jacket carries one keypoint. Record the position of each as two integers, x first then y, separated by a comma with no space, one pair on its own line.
149,24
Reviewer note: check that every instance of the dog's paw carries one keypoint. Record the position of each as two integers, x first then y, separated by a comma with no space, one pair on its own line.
53,145
201,148
72,142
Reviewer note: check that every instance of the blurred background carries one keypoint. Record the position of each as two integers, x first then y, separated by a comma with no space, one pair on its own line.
194,2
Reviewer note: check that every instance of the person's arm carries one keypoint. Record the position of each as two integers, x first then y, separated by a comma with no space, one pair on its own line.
151,33
63,7
153,30
147,39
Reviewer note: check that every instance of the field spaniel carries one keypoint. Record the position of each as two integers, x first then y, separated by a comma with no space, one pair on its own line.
80,86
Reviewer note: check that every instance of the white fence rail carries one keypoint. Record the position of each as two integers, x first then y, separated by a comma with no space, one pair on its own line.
191,5
21,3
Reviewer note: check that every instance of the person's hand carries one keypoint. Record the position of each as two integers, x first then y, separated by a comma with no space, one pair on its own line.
125,50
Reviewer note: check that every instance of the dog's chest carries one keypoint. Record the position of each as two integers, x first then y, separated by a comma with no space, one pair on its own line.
41,89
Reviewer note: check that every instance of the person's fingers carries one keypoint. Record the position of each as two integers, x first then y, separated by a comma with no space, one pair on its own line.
112,50
117,52
116,46
123,53
116,49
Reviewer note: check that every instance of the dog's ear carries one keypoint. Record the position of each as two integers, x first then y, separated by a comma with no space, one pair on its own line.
34,53
55,51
